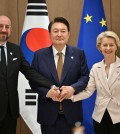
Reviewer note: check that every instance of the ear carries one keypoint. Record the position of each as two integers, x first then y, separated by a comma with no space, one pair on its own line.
69,34
99,48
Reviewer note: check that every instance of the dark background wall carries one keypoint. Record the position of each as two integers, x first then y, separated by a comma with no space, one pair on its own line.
70,9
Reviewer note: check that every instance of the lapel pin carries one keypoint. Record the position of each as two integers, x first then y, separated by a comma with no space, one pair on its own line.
11,53
72,57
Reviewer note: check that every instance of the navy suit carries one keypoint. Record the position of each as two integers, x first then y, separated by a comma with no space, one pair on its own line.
75,73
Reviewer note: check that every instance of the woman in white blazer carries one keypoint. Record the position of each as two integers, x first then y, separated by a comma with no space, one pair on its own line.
105,78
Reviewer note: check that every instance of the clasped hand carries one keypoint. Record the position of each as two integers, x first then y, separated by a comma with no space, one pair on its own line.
59,94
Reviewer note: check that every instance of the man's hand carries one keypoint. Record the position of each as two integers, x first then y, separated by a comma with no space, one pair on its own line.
66,92
53,93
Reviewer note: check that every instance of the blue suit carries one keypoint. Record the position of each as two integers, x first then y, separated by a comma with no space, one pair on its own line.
75,73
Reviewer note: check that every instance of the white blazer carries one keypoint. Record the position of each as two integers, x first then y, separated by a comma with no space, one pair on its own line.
108,91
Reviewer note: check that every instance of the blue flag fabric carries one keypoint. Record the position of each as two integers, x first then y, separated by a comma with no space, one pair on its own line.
92,23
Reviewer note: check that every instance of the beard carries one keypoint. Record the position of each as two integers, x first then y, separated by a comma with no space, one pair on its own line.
3,36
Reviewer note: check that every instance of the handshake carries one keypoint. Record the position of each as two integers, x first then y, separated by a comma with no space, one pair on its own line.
59,94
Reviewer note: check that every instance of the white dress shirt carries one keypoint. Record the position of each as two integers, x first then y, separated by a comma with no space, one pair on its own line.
55,52
5,49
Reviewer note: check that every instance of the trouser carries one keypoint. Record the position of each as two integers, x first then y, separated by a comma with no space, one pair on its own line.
8,124
61,126
106,126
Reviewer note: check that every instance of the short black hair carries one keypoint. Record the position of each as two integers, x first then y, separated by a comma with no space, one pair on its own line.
61,20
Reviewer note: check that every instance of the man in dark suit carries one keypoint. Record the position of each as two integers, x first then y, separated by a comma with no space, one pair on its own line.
56,113
9,70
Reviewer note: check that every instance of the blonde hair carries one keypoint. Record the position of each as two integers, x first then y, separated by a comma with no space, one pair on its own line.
108,34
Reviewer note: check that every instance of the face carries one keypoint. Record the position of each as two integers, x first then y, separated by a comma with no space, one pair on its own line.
108,47
5,28
59,34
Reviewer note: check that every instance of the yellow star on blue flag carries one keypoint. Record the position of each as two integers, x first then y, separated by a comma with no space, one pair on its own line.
88,18
103,22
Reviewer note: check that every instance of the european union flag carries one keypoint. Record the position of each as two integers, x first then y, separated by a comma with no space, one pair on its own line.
92,23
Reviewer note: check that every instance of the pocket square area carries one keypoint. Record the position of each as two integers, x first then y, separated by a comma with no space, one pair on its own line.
15,59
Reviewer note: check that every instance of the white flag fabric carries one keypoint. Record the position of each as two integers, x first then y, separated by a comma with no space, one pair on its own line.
35,36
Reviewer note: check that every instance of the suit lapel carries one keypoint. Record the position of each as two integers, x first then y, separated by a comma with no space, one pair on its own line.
49,60
10,55
101,76
115,73
113,76
69,57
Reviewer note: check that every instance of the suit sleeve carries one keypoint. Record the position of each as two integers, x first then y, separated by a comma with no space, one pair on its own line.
42,91
32,75
82,81
91,87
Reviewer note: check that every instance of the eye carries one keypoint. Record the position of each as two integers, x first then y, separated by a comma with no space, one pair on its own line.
111,45
6,26
104,45
63,31
1,26
55,31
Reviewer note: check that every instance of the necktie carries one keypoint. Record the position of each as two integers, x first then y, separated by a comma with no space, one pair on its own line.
59,72
3,58
59,65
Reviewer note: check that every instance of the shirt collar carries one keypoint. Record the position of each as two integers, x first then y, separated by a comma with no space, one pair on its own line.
111,65
55,50
4,45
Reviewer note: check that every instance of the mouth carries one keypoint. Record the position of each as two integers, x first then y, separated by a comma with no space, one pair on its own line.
59,39
3,36
108,52
3,33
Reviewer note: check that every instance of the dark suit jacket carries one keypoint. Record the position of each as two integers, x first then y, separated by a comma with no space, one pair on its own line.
9,82
75,73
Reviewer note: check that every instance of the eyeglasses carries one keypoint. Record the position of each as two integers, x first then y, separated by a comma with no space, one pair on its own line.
7,27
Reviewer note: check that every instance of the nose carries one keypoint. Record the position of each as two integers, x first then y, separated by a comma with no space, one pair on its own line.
4,29
108,47
59,33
